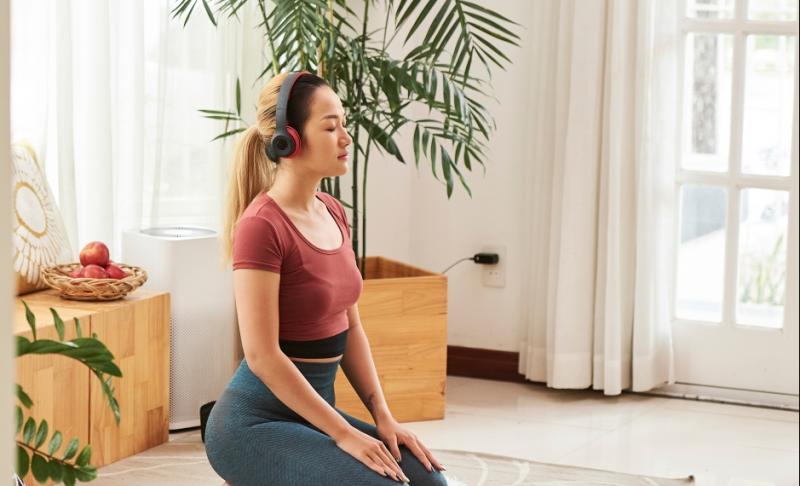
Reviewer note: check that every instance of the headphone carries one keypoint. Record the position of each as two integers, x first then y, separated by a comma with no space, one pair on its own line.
286,141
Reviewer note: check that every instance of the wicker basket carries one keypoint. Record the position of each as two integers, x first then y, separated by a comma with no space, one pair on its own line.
58,278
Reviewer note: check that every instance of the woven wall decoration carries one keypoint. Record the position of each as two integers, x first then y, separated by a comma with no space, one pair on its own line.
39,236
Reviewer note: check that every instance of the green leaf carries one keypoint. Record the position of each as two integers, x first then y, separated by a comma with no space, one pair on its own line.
19,419
487,11
507,37
446,163
383,139
56,469
228,133
434,25
23,346
188,15
84,456
427,8
223,117
72,448
58,323
433,157
30,318
209,13
416,146
69,475
29,430
40,468
238,98
55,443
229,114
446,93
41,434
23,397
86,474
23,461
402,16
461,178
77,327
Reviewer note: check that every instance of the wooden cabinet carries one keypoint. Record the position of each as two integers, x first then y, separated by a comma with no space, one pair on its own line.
136,329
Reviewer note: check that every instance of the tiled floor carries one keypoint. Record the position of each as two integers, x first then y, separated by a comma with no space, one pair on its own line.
721,445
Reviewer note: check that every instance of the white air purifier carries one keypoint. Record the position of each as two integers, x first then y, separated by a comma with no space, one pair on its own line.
184,261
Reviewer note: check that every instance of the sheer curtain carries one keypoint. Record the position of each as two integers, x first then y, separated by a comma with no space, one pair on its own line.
601,233
107,92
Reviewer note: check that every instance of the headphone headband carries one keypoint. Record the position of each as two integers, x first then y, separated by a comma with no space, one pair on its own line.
286,140
283,98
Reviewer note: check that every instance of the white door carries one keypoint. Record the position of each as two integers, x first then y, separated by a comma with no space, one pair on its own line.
735,318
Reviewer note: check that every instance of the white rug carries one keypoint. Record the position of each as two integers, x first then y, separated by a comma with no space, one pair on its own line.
182,462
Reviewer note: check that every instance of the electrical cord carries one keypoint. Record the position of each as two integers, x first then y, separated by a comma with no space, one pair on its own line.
482,258
456,263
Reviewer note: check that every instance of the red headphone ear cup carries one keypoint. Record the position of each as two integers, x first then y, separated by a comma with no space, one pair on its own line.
296,137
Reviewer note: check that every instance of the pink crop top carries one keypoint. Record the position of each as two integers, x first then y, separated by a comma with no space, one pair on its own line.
317,285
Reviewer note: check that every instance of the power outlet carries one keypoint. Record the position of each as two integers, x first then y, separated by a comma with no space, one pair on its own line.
495,275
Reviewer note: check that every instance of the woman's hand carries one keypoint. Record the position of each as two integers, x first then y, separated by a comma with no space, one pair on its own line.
394,434
371,452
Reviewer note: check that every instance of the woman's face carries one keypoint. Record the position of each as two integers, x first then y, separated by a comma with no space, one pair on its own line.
325,136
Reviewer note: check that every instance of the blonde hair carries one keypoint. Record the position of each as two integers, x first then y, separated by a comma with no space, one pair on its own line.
251,171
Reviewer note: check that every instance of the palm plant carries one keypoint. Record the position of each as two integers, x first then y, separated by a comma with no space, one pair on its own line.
71,466
378,91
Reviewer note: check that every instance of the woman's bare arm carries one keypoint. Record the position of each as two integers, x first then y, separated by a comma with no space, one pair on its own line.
359,367
256,294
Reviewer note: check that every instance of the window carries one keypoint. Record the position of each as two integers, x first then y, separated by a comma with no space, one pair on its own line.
738,165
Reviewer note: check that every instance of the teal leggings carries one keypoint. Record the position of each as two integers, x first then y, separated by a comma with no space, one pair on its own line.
253,439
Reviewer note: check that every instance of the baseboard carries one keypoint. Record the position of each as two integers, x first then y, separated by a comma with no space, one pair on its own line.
502,366
483,363
728,395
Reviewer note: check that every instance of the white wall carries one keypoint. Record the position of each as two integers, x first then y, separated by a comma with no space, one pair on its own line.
433,232
6,273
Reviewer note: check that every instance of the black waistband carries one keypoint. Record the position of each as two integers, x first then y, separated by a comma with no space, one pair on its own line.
317,348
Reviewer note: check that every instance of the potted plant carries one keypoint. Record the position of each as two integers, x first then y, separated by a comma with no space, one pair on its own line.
403,308
69,465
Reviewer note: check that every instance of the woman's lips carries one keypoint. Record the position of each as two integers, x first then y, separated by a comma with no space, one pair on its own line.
344,156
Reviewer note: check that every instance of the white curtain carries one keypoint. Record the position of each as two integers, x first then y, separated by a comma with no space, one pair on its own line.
603,143
108,92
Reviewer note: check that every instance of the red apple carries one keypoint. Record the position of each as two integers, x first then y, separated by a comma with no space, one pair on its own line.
94,271
77,273
115,271
94,253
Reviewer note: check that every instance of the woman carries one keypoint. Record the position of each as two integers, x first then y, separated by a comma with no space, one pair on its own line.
296,286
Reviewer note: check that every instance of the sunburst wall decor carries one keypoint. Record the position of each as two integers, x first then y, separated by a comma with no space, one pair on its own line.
39,236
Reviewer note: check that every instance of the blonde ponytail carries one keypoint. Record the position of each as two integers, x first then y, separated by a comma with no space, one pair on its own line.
251,174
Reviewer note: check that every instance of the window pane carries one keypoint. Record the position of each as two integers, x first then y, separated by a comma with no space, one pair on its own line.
772,9
701,255
768,104
707,112
710,9
762,257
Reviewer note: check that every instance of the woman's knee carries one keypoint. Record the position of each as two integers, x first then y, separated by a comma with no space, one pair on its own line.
436,478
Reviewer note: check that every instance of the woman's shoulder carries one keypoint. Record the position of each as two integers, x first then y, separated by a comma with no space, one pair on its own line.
260,213
260,207
334,203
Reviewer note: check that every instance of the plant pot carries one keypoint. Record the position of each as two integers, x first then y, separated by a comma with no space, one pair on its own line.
403,311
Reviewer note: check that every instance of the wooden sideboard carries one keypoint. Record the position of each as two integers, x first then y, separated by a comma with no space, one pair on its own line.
136,329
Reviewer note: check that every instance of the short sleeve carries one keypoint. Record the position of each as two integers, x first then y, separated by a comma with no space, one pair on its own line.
256,245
